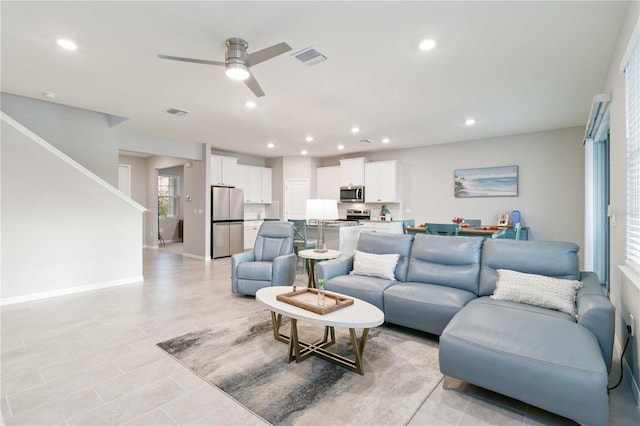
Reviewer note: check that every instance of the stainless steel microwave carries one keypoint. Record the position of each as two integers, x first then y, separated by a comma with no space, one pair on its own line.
352,194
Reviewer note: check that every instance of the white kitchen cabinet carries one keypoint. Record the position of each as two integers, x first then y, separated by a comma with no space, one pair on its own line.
256,183
381,227
251,229
223,170
381,182
328,182
242,178
266,185
352,171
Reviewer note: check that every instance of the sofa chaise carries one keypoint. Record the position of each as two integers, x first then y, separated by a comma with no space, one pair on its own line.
558,361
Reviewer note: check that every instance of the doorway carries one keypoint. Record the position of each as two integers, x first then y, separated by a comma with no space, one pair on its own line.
296,193
170,190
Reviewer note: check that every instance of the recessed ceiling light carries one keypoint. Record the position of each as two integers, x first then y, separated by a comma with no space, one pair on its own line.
385,140
49,95
427,44
470,121
340,146
355,130
303,152
309,138
66,44
270,145
250,104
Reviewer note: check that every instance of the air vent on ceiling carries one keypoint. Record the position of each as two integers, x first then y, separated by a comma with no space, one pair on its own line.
309,56
366,140
176,111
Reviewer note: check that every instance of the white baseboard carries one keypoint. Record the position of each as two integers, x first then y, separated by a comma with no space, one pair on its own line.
69,290
635,390
195,256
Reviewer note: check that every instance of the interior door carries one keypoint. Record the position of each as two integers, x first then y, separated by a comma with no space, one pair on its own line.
296,193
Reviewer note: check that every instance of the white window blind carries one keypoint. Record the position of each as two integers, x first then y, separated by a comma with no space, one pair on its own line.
633,157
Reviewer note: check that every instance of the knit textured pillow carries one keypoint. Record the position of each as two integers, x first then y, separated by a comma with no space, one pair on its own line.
538,290
375,265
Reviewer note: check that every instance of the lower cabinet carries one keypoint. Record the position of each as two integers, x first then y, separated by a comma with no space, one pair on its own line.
251,228
382,227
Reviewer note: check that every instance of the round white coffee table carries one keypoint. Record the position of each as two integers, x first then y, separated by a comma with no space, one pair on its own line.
359,315
312,257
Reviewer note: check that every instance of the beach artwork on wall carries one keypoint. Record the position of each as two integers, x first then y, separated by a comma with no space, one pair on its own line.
486,182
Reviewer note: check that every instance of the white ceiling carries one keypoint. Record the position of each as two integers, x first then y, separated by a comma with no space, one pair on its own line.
514,66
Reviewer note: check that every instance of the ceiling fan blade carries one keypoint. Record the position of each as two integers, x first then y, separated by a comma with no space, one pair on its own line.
252,84
196,61
267,53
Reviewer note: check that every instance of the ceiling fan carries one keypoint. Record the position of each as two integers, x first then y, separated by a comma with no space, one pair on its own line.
237,61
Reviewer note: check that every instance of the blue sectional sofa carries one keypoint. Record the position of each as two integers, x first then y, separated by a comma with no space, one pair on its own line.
544,357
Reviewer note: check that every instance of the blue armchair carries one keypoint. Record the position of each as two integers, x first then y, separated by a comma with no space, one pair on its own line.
272,261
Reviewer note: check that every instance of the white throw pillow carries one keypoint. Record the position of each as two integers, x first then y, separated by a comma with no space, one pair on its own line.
538,290
375,265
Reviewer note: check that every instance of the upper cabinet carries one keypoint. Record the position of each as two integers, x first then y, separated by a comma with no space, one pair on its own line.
265,174
223,170
352,171
381,182
256,183
328,182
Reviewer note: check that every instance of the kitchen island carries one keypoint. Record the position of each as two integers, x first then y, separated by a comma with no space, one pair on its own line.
339,235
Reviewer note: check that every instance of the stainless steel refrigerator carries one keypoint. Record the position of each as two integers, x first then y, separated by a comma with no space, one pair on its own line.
227,221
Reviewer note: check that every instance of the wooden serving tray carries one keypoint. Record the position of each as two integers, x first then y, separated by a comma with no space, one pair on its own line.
307,298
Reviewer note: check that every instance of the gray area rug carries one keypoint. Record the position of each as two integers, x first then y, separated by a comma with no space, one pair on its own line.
243,359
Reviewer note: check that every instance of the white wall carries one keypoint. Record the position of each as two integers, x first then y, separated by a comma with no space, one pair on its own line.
83,135
551,181
625,294
63,229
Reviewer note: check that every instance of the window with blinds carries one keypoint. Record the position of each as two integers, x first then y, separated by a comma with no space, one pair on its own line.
632,72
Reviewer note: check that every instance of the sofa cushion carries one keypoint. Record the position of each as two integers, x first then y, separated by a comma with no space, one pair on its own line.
538,290
388,244
422,306
446,261
540,359
375,265
550,258
369,289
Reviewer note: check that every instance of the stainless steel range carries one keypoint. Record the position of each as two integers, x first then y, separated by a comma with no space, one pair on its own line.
355,214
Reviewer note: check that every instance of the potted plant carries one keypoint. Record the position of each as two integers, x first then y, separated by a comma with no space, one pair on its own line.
384,211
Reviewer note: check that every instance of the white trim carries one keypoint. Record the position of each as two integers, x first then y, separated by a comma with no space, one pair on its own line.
195,256
628,374
632,276
69,290
627,52
68,160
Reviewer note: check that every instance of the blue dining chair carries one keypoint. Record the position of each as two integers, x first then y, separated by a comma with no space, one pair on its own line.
300,240
408,223
517,228
442,228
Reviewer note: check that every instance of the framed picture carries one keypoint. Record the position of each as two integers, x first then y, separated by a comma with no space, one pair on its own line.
503,219
486,182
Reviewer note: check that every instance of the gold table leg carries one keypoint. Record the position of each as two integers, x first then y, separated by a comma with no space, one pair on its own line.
299,350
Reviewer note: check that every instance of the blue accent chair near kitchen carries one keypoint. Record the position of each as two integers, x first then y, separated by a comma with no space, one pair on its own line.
272,261
300,240
442,228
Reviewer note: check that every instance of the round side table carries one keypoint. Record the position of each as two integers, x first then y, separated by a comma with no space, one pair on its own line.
312,257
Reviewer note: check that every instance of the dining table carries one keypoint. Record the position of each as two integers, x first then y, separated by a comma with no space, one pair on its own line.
481,231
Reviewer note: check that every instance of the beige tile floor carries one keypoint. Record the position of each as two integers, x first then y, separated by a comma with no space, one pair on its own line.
91,358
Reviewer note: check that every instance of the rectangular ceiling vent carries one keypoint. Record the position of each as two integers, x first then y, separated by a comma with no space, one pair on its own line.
176,111
309,56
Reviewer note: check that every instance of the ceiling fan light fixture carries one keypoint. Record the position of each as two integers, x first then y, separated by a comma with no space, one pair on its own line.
236,71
